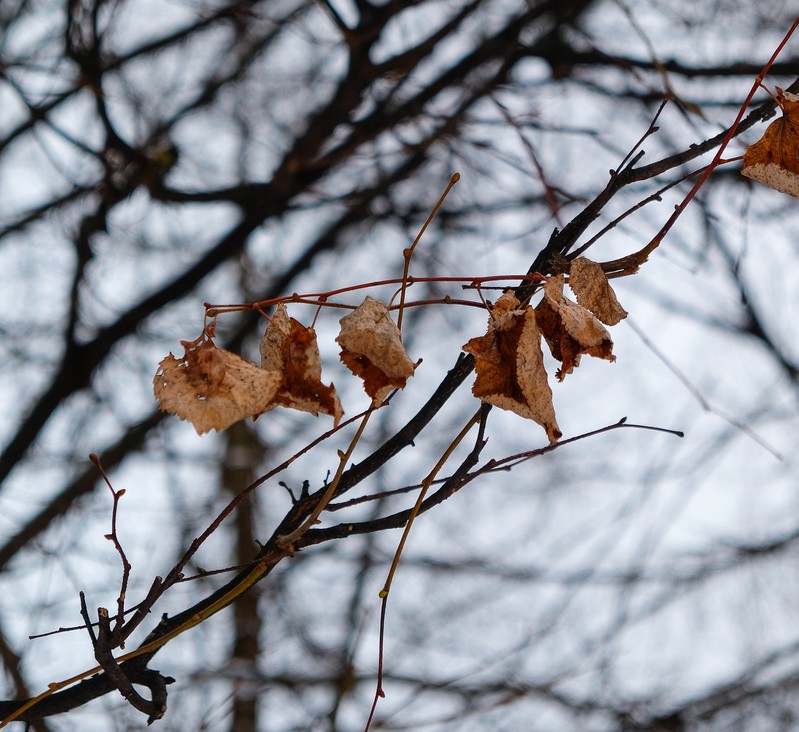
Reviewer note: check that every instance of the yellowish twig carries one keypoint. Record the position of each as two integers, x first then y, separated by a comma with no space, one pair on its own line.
254,575
426,483
408,253
287,540
248,581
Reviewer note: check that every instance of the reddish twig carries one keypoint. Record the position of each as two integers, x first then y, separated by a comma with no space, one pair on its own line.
176,573
323,298
717,158
117,640
408,253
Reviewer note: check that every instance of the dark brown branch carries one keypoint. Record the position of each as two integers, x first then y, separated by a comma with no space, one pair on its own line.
154,708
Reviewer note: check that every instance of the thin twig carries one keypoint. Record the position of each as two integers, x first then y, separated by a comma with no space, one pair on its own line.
426,483
288,540
117,639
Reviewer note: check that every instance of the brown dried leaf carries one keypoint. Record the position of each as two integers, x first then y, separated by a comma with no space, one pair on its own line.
288,347
774,159
593,291
569,329
212,388
510,365
372,349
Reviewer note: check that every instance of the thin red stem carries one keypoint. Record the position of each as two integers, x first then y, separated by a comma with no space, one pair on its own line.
727,138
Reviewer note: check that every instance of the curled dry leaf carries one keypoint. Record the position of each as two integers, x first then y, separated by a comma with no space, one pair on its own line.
372,349
570,329
593,291
290,349
212,388
774,159
510,365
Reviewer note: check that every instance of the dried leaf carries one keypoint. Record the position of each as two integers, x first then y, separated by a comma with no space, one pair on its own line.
774,159
593,291
372,349
510,365
288,347
569,329
212,388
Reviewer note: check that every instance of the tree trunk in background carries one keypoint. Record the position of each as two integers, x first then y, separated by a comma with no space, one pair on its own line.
243,451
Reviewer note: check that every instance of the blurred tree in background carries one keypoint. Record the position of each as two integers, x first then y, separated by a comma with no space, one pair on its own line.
156,155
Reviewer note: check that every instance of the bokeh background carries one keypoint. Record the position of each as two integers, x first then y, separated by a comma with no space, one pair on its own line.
159,154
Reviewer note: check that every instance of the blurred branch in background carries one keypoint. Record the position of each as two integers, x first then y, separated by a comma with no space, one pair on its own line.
156,156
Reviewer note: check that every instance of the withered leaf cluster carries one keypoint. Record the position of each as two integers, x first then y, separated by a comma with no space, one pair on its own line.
508,359
774,159
593,291
212,388
290,349
372,349
569,329
510,365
